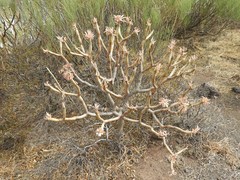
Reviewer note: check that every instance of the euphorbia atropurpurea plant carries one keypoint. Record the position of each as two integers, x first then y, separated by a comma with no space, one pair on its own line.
124,70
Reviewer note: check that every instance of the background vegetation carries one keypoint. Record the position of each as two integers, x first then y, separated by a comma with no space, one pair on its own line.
47,19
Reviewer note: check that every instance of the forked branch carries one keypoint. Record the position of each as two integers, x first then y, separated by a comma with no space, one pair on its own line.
128,78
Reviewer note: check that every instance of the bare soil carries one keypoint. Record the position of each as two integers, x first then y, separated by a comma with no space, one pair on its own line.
31,148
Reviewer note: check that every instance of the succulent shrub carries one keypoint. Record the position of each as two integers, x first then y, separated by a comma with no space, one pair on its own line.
128,80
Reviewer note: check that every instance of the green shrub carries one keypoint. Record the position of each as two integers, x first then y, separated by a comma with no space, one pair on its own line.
228,9
170,17
52,18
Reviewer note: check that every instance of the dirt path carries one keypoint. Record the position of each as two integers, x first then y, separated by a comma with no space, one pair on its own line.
215,154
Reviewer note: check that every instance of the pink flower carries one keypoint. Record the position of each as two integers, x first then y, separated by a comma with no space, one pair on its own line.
118,19
100,131
60,38
89,35
149,23
184,103
205,101
194,131
193,58
136,30
67,75
74,25
182,51
109,31
158,67
163,133
190,85
48,116
125,50
96,106
172,44
128,20
153,41
46,84
67,72
95,20
164,102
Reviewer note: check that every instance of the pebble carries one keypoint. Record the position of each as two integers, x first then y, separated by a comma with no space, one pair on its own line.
236,89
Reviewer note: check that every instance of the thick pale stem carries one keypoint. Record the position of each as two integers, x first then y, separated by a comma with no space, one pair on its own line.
125,78
120,127
79,37
64,110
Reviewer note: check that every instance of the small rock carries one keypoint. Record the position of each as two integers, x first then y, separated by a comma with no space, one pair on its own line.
187,170
236,89
2,96
236,78
8,143
208,91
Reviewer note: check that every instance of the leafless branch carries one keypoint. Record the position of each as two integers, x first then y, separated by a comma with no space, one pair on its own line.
128,79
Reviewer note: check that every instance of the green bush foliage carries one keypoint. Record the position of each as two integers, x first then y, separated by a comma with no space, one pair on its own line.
170,17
